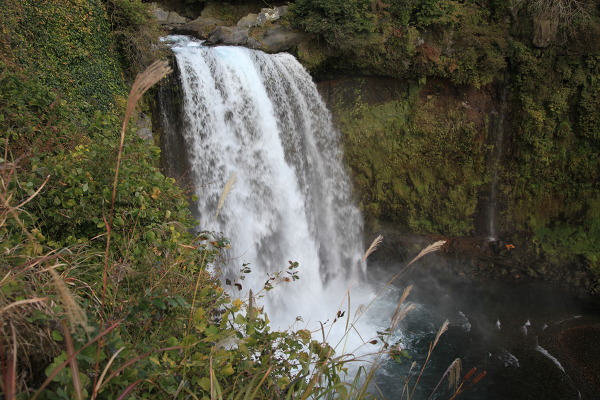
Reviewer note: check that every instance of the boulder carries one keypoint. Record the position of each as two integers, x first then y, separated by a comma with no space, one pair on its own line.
280,39
248,21
167,17
269,40
200,27
229,35
258,31
271,14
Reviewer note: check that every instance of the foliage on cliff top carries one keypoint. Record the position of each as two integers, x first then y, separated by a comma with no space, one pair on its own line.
405,38
343,24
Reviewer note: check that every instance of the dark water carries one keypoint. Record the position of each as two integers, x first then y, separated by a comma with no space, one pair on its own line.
534,340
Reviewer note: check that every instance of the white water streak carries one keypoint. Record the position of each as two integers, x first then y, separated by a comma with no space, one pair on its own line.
551,357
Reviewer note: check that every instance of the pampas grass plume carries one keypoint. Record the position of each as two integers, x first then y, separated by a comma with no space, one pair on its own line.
372,247
75,315
225,192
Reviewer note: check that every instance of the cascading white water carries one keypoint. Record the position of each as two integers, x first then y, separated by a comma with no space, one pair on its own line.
261,118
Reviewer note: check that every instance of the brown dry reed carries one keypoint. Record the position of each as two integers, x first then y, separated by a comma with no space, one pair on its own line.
372,247
74,313
143,82
225,193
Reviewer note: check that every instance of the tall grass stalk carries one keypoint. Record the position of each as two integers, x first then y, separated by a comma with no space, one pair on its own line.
73,362
432,345
143,82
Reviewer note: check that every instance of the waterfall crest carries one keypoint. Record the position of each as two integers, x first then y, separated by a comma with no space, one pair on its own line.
261,118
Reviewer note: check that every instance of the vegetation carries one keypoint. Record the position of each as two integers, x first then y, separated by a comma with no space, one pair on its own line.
551,186
423,171
406,39
342,24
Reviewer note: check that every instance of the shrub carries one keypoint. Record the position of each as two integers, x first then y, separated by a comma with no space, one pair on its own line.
343,24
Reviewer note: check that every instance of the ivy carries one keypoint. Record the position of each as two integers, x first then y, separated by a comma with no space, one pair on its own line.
68,48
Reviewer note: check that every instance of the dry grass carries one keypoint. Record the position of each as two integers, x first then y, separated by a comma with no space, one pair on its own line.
143,82
225,192
24,346
75,315
376,242
402,310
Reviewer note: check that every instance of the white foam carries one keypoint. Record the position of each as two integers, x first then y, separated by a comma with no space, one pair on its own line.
551,357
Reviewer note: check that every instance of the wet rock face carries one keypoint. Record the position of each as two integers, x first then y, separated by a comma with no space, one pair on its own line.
576,343
544,31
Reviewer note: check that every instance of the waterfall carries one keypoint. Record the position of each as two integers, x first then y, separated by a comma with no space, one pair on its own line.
259,117
496,134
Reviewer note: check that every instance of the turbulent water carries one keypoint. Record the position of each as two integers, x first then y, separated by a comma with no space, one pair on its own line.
259,119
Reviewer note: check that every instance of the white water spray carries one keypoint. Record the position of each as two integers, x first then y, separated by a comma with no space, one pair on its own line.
261,118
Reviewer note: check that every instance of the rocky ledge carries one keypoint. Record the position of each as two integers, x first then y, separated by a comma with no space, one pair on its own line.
266,30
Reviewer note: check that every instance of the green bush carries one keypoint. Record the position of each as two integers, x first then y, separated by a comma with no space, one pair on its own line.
343,24
135,34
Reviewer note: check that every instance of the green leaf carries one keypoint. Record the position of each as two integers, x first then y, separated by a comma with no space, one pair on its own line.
189,340
57,336
158,303
204,383
240,319
212,330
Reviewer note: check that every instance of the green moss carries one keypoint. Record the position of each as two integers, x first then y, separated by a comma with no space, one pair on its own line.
550,182
69,48
416,162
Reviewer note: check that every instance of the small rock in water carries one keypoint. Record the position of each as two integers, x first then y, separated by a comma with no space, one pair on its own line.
498,324
464,322
524,330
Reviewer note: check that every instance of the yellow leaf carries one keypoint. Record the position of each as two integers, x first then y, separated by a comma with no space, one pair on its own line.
237,303
154,360
227,370
204,383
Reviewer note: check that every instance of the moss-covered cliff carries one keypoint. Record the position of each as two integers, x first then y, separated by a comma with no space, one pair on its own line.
422,158
466,118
